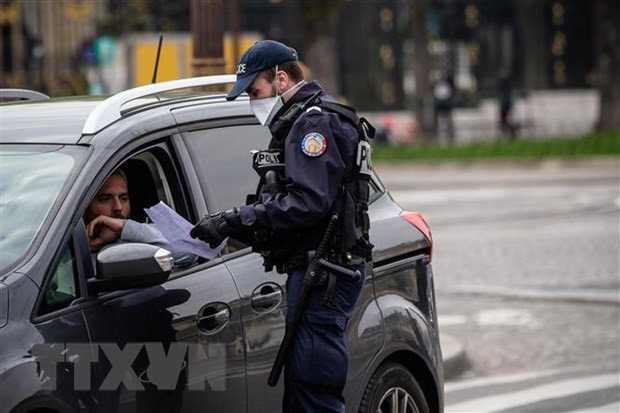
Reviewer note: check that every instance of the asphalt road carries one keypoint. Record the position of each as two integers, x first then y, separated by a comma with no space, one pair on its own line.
527,271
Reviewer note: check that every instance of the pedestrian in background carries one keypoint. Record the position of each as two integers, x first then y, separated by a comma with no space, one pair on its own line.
506,125
443,92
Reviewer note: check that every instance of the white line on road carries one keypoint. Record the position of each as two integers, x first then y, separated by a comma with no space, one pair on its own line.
451,320
505,317
557,389
503,379
607,408
434,196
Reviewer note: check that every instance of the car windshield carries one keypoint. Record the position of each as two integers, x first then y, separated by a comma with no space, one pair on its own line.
31,177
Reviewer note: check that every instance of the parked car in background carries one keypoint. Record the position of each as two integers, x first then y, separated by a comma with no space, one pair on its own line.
94,319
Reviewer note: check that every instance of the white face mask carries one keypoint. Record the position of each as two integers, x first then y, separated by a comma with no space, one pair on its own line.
265,109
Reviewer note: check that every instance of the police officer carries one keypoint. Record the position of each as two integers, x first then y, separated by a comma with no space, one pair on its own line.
319,155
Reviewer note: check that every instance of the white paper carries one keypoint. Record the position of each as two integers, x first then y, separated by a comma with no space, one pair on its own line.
176,230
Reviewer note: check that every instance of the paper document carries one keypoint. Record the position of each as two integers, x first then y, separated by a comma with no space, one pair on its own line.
176,230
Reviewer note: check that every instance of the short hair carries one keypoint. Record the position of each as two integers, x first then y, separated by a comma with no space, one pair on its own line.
120,172
292,69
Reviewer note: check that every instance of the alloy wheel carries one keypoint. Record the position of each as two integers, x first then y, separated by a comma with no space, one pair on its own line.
397,400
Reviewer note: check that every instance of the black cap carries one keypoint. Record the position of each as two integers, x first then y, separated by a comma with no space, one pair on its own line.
263,55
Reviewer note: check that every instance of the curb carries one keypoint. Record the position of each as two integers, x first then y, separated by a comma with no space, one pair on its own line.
455,360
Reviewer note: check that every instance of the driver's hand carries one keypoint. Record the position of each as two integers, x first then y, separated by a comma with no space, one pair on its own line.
104,230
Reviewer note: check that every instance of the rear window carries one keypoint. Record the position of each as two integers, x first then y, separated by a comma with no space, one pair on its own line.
31,178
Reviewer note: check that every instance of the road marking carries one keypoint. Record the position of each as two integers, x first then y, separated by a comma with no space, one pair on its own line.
451,320
585,195
557,389
607,408
506,317
503,379
434,196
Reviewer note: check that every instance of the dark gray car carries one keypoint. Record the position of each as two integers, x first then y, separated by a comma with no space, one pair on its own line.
125,333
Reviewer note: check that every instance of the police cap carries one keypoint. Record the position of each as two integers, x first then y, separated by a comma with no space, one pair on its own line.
263,55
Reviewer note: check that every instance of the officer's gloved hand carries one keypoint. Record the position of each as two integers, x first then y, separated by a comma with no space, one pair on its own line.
272,185
214,228
272,189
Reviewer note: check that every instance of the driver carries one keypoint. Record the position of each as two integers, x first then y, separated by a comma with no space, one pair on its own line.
107,221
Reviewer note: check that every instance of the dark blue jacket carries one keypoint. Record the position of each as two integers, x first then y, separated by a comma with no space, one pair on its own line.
312,182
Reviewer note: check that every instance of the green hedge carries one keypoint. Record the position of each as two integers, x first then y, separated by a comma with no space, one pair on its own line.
528,149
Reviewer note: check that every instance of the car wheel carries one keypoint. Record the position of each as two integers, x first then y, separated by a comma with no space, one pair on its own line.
393,389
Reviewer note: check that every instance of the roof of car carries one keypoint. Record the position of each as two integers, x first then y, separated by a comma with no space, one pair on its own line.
58,120
62,120
67,120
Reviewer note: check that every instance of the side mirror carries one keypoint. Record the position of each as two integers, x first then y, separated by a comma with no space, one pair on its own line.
131,265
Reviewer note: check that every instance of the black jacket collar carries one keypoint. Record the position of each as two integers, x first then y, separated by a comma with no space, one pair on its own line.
302,94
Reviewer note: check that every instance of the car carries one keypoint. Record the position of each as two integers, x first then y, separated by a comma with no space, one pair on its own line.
104,334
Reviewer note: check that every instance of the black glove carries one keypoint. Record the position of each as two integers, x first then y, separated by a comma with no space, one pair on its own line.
214,228
272,185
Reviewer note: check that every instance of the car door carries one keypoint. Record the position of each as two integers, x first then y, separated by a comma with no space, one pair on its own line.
60,339
221,156
178,346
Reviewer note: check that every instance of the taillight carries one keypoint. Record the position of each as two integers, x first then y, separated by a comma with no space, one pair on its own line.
415,219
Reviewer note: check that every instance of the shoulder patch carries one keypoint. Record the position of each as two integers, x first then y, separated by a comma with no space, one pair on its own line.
314,144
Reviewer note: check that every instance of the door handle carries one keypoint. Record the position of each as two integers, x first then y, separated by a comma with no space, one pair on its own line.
218,318
213,317
266,297
267,300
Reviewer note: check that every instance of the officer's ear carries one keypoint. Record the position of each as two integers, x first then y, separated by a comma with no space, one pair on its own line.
283,81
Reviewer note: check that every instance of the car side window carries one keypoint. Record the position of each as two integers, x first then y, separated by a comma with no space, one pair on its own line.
224,163
140,181
63,288
147,183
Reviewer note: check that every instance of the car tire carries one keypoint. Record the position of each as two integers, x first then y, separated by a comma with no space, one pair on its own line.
393,384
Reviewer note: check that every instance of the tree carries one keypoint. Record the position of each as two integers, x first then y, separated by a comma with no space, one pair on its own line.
318,19
608,65
424,101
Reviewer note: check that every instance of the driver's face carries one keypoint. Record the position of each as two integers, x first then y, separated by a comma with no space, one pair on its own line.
112,200
260,88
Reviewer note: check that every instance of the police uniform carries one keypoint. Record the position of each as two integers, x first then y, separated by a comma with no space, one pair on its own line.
316,155
319,151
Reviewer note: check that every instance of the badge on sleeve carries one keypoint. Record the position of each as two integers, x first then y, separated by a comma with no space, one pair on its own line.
314,144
